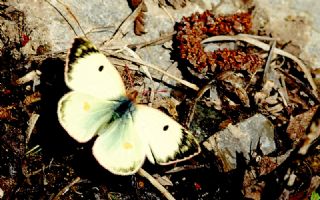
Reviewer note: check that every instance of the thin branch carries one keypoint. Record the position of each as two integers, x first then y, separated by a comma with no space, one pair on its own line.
167,12
136,56
97,30
259,37
283,91
141,62
122,30
155,183
267,66
192,107
66,188
162,39
31,124
184,168
298,83
33,150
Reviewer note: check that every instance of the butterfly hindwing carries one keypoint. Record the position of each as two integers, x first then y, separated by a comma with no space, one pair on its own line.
90,72
120,149
83,115
168,141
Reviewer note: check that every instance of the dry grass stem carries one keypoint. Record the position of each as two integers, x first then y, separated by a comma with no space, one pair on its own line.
258,37
136,56
66,188
156,184
266,47
267,66
123,29
162,39
167,12
141,62
31,124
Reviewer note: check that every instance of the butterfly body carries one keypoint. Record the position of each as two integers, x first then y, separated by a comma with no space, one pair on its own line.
127,132
122,109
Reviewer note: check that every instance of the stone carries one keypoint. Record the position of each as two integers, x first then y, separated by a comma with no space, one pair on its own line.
244,137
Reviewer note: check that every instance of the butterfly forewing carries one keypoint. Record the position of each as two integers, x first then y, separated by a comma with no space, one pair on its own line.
90,72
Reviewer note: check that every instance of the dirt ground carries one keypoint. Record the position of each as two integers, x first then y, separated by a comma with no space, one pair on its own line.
39,160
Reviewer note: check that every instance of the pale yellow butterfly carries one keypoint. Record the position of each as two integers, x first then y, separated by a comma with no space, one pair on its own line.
127,132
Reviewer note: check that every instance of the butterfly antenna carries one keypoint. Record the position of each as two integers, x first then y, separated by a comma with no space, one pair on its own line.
53,6
61,14
73,16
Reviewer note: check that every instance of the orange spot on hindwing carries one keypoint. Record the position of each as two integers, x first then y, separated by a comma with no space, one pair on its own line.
127,145
86,106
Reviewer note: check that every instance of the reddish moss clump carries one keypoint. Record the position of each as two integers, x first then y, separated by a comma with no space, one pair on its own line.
192,30
235,60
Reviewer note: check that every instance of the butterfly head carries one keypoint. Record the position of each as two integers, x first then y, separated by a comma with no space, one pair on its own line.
132,95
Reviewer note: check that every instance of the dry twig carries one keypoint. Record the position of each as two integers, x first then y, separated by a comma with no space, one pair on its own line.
267,66
156,184
141,62
66,188
123,29
31,124
162,39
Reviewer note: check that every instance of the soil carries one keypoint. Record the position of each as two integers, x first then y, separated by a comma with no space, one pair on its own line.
46,163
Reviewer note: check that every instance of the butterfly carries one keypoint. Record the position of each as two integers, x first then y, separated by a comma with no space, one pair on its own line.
127,133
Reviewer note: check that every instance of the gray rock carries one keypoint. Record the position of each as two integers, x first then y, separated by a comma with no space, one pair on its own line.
244,138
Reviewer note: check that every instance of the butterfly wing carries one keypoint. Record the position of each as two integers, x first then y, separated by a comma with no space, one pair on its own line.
82,115
167,140
120,149
90,72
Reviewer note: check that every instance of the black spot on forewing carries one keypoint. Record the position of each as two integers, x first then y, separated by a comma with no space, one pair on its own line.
101,68
80,48
166,127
